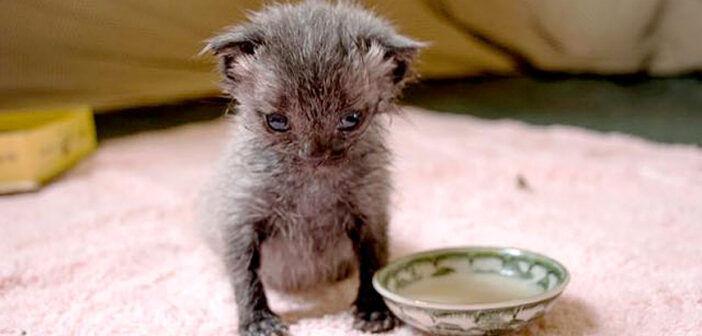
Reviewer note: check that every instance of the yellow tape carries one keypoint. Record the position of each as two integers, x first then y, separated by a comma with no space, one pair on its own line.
35,146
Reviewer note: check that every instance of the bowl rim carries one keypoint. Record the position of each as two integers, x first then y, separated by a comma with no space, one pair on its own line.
549,294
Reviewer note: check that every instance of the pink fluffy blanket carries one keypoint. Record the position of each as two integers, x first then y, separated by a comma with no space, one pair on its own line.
109,248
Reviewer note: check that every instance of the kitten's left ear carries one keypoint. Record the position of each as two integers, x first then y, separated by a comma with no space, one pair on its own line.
231,47
403,51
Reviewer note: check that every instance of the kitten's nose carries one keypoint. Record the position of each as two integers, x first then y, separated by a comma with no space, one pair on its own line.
312,149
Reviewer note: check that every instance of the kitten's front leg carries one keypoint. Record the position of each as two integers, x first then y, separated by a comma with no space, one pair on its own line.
242,262
371,314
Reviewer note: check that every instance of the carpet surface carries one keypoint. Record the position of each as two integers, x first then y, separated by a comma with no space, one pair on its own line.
110,248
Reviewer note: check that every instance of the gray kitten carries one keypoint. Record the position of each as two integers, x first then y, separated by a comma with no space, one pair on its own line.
302,195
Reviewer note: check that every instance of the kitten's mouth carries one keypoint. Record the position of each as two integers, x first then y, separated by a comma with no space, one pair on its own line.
323,162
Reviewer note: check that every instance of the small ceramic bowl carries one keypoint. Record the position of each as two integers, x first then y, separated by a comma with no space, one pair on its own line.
471,290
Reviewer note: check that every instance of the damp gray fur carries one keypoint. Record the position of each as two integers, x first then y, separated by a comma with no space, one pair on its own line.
308,205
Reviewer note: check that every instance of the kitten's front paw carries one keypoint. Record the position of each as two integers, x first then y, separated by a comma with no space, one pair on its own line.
374,321
270,325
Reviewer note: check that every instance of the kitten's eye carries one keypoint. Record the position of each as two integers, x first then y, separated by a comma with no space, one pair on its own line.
277,122
350,121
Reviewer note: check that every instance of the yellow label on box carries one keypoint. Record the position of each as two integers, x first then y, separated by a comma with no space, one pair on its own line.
38,145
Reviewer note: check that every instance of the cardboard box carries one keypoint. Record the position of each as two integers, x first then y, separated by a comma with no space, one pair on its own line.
36,146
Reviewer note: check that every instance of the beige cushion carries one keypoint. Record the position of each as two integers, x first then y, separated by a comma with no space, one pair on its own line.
123,53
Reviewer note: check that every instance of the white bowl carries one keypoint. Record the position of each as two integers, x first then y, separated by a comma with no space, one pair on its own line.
509,288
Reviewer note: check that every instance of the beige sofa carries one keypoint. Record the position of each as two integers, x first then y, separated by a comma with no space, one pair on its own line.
122,53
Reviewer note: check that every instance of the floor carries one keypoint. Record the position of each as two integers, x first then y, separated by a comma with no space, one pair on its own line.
663,110
111,247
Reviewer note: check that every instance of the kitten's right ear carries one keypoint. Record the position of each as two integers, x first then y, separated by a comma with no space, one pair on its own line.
231,47
403,51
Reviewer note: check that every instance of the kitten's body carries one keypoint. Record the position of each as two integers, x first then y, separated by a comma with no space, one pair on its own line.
301,195
309,211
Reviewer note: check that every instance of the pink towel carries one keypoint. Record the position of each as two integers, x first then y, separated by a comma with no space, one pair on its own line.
110,249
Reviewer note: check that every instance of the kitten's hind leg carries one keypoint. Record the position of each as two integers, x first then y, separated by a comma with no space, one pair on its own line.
242,262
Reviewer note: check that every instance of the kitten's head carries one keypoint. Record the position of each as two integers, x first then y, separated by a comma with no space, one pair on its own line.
310,78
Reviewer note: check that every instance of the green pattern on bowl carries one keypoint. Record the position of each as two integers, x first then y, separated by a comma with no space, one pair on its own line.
471,319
